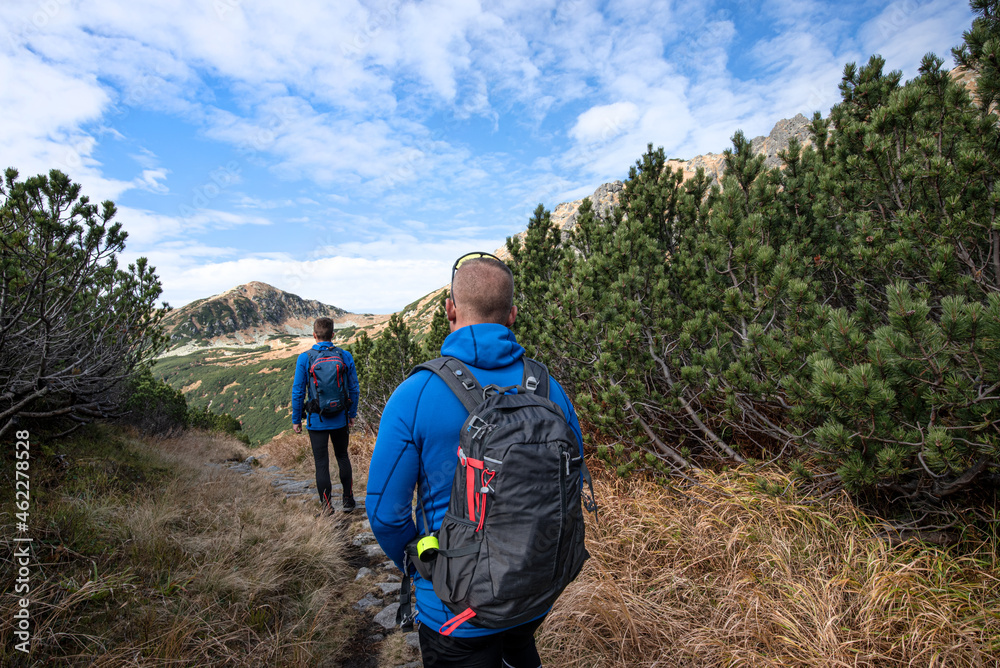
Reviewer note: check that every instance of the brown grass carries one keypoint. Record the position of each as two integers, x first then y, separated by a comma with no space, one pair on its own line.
289,451
145,556
292,452
199,566
722,575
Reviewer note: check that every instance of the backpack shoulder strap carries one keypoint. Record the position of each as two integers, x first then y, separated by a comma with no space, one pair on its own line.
458,378
536,377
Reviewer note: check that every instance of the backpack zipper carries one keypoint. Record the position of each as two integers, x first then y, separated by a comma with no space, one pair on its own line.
562,504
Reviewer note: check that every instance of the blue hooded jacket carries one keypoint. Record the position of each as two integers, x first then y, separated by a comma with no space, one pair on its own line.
299,391
417,445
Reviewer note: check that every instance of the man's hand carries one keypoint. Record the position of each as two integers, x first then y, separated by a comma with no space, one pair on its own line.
350,423
297,428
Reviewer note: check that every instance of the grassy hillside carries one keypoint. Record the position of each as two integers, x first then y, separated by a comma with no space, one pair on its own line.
256,392
254,384
144,555
718,572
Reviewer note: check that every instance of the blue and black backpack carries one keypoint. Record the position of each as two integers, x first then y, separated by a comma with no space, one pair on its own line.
513,536
327,382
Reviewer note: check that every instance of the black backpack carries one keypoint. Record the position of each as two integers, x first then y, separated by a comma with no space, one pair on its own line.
513,536
327,382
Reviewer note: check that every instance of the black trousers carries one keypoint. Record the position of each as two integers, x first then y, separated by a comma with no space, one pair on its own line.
513,648
319,439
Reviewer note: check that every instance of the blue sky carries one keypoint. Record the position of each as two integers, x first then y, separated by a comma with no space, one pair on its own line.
349,151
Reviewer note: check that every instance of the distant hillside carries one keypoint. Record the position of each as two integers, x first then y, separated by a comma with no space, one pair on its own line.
235,352
252,314
254,385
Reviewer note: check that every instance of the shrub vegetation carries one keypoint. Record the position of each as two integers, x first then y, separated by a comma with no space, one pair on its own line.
143,554
74,327
841,311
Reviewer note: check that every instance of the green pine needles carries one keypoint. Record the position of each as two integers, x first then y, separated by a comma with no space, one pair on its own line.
75,327
841,312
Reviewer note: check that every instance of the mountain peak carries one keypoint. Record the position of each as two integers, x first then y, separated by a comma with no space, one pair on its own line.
254,285
255,289
248,313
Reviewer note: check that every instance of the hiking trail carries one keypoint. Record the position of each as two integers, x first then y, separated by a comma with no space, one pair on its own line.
376,611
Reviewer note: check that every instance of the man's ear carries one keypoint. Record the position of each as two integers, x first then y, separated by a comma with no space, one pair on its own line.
512,317
450,312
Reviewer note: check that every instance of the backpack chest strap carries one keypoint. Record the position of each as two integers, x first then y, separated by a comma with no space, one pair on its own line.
465,386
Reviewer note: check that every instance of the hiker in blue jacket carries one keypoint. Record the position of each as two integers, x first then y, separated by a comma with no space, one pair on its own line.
416,448
326,429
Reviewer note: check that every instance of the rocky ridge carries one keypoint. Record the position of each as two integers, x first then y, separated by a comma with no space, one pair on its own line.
607,195
781,134
251,314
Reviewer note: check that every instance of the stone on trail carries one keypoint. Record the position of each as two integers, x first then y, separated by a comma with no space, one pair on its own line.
388,587
367,602
387,618
374,551
364,538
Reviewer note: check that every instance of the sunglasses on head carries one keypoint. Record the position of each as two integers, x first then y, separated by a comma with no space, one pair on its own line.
465,258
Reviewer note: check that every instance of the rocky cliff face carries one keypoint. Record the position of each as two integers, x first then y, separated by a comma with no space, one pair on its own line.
249,313
781,134
714,164
606,196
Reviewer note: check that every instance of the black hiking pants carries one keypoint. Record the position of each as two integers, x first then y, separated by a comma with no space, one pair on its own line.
319,439
513,648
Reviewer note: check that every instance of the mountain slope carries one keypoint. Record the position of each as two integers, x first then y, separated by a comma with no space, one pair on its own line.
252,314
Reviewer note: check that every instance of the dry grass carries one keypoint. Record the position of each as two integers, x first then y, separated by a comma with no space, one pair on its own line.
723,575
144,556
196,566
288,450
292,452
394,651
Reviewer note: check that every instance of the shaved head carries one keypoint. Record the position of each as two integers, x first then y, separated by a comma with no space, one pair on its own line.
484,290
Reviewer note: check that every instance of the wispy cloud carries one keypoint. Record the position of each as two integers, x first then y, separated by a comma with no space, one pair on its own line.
147,229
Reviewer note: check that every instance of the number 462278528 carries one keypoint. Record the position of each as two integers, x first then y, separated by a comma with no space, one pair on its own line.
22,486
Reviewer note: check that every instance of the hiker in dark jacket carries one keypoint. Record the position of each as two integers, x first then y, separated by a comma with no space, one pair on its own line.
417,441
323,429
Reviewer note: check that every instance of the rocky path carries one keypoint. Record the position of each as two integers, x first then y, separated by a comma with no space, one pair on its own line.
379,575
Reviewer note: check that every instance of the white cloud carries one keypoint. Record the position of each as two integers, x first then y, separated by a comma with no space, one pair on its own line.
379,278
355,284
148,230
151,179
605,122
908,29
44,108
